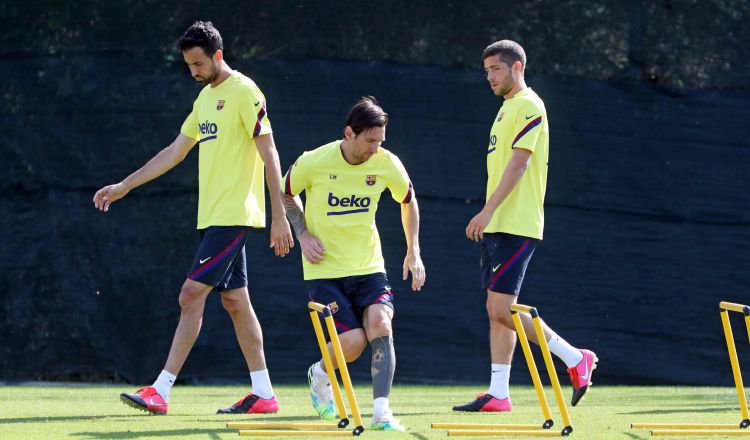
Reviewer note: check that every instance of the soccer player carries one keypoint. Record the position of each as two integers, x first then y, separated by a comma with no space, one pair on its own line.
230,121
342,259
510,225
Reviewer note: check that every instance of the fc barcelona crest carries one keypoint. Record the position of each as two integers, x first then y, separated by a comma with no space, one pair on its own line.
371,180
334,307
220,104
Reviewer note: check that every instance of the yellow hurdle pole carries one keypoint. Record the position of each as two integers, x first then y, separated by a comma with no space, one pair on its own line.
733,307
482,426
551,370
344,371
491,433
701,433
683,425
292,433
281,425
532,365
733,360
329,368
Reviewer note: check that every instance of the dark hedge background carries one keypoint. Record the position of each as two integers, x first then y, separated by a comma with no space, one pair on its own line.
647,222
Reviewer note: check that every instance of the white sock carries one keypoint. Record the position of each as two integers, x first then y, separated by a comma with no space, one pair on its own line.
566,352
319,374
380,408
261,384
164,384
499,381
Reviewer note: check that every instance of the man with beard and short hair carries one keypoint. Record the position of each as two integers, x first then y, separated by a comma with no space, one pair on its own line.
510,225
342,258
230,121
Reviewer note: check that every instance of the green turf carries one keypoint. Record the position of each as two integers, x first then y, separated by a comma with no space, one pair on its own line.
95,412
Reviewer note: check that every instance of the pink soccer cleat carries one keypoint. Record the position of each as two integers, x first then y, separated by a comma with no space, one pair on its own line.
580,375
146,399
486,403
252,404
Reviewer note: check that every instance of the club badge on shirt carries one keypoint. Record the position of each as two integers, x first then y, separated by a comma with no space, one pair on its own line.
220,104
334,307
371,179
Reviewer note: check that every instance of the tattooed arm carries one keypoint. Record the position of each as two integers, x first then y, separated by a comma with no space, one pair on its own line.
312,248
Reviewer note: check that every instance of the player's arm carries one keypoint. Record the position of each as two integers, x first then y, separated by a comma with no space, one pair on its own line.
312,248
413,260
164,161
281,236
512,174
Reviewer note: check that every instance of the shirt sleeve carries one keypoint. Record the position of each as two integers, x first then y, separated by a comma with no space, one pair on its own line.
528,125
254,114
398,182
190,126
297,178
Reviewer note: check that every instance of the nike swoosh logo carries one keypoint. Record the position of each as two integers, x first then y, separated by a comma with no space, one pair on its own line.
586,366
494,269
529,117
152,403
257,103
203,261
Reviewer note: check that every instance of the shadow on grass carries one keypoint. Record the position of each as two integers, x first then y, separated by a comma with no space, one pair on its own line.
212,433
636,436
684,411
51,419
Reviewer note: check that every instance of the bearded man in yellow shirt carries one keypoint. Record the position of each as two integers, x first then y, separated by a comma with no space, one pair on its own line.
510,225
342,259
230,121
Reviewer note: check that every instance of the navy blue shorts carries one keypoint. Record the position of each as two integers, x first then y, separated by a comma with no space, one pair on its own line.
349,296
504,260
220,260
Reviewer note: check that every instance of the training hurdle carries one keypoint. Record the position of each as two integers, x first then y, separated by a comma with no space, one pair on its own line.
287,429
515,430
724,429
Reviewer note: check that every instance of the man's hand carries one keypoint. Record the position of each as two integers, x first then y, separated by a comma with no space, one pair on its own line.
281,237
413,263
110,193
312,248
475,229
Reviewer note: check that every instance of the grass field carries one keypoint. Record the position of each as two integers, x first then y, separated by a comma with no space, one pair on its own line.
95,412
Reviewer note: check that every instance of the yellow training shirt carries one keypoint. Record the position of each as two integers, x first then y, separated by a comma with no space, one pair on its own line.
520,123
340,205
226,119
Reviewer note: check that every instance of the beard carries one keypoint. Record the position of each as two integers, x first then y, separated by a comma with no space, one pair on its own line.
212,77
505,87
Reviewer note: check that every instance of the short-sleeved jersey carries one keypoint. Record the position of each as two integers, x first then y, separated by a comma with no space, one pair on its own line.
520,123
225,120
340,204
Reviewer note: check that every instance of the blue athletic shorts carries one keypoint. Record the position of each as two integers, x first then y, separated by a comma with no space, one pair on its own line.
504,260
349,296
220,260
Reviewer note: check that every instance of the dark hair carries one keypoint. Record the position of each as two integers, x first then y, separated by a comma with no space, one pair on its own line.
202,34
509,52
365,115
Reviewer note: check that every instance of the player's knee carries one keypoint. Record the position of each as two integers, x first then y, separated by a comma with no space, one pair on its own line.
380,328
231,304
353,345
499,317
191,298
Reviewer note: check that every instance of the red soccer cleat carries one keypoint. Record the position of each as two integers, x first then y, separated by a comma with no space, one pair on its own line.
252,404
580,375
146,399
486,403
